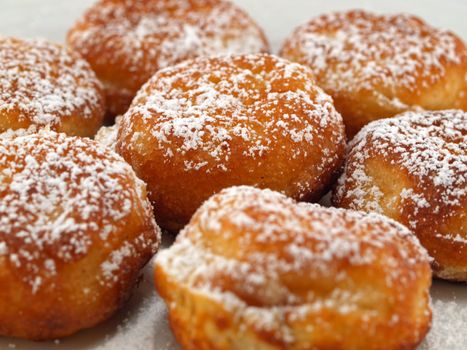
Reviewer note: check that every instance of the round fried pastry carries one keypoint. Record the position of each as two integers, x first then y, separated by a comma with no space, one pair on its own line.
127,41
45,84
212,123
413,168
256,270
376,66
75,230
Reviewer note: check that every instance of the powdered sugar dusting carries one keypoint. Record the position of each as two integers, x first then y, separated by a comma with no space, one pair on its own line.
214,107
357,50
143,36
254,238
60,195
44,83
449,319
107,135
431,147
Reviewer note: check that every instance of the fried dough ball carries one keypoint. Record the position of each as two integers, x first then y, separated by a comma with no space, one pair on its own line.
127,41
377,66
75,229
413,168
45,84
212,123
256,270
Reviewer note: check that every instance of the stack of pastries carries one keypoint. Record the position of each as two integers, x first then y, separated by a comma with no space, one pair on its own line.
225,146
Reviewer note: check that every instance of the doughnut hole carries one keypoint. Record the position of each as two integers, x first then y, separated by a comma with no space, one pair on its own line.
255,270
126,42
212,123
46,85
377,66
75,232
412,168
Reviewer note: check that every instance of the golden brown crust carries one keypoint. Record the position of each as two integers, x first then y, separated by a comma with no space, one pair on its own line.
256,270
75,230
126,42
376,66
413,168
212,123
45,84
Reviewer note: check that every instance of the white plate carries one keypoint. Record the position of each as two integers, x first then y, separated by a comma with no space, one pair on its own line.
142,324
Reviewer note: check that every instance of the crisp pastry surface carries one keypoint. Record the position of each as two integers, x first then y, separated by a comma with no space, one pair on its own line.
377,66
257,270
75,229
46,84
212,123
413,168
127,41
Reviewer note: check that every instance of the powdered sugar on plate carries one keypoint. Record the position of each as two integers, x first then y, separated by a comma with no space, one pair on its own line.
448,330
